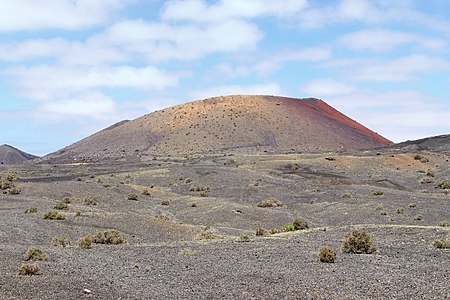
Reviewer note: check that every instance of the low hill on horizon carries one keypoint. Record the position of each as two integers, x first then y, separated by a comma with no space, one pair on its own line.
239,123
12,156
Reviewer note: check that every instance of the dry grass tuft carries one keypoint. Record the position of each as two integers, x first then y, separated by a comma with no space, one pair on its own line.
358,242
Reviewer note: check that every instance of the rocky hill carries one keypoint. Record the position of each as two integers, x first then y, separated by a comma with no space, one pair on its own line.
239,124
10,155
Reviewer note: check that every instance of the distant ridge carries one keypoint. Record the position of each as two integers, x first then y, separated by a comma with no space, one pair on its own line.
239,123
440,143
12,156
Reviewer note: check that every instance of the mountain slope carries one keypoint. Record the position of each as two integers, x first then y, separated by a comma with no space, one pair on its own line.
11,156
245,124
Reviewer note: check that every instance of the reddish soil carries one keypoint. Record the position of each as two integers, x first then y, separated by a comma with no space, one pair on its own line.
238,124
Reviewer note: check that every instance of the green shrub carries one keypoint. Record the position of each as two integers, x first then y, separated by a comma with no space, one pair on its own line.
53,215
327,255
35,254
358,242
270,202
300,224
441,244
109,237
85,242
29,269
288,227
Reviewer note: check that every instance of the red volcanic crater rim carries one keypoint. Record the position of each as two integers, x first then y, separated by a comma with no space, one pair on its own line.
340,117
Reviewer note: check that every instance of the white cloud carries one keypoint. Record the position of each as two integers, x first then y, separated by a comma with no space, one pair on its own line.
326,87
369,12
92,104
202,11
224,90
33,15
397,69
385,40
266,65
396,114
47,82
160,41
62,50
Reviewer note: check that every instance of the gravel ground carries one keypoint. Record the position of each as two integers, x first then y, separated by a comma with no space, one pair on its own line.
164,259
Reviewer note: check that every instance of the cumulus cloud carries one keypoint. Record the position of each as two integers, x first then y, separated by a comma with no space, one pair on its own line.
380,40
203,11
156,41
318,15
396,114
397,69
62,50
326,87
93,105
46,82
267,64
224,90
33,15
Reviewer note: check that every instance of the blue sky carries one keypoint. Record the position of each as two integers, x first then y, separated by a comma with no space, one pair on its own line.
69,68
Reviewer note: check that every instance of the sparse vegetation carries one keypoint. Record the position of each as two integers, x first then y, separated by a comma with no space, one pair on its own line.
421,158
443,185
261,232
198,188
418,217
300,224
15,190
90,201
85,242
327,255
441,244
109,237
53,215
165,202
60,205
243,237
187,252
146,192
31,210
400,210
29,269
288,227
62,241
358,242
209,235
378,193
132,196
412,205
270,202
35,254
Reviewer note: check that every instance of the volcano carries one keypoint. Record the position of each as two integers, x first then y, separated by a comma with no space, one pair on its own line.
13,156
239,124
